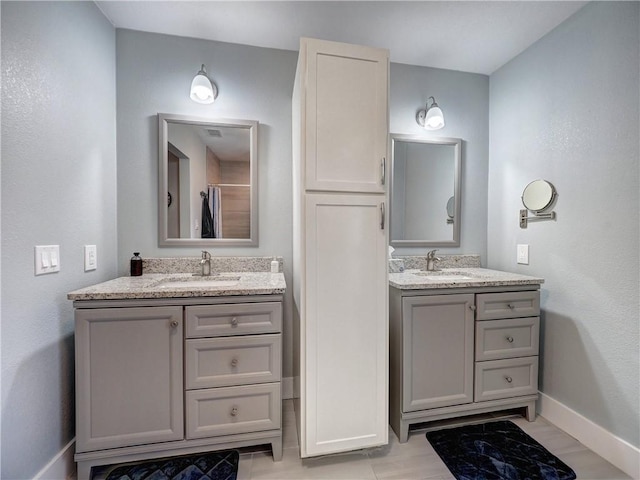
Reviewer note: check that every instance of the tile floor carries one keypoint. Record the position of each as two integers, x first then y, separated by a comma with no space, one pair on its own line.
415,459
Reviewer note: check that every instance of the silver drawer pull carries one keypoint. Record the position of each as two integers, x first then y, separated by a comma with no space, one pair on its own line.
510,339
174,324
508,379
234,412
234,321
511,306
234,362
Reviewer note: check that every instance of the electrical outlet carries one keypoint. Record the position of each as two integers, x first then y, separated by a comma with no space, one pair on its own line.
46,259
90,257
523,254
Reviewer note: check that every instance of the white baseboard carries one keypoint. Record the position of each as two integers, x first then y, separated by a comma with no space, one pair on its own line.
287,388
61,466
615,450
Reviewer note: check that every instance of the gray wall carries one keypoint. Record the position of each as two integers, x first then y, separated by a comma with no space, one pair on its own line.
154,73
464,99
566,110
58,187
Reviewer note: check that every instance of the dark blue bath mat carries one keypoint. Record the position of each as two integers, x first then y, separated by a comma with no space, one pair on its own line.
201,466
496,451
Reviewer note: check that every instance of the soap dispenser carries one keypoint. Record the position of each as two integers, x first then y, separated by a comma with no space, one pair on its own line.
136,265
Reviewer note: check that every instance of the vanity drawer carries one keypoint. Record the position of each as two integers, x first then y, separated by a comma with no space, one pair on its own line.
509,338
225,361
506,378
507,305
233,319
229,410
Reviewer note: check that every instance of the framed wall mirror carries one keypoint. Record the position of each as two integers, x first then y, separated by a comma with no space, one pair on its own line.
208,181
425,191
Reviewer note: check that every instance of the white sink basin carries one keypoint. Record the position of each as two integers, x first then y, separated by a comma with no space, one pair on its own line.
200,282
444,276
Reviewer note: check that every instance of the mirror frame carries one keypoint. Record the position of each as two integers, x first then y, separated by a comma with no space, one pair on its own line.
457,181
163,240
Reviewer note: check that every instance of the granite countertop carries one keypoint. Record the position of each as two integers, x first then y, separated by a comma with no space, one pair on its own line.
414,279
151,286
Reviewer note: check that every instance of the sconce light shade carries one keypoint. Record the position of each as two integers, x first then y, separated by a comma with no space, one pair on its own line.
431,118
202,89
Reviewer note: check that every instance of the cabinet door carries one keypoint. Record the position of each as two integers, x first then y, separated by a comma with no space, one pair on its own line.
437,351
129,386
345,339
346,116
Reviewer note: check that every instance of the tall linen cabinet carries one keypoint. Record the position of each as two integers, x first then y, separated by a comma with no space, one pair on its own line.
340,237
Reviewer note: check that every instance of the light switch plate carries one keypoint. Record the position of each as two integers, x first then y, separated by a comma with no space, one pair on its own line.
523,254
46,259
90,257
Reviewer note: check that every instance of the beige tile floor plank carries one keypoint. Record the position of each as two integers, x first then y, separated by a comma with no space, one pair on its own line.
415,459
589,466
346,466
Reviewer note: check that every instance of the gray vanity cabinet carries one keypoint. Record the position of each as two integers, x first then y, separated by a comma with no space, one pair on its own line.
174,376
463,351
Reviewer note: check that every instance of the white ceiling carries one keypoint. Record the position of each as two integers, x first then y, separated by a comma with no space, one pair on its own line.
470,36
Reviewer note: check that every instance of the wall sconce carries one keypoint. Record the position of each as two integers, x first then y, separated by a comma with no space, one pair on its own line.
431,118
202,89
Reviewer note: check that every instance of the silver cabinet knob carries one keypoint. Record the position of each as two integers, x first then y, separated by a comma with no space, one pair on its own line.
174,324
472,307
508,379
234,362
234,412
511,306
510,339
234,321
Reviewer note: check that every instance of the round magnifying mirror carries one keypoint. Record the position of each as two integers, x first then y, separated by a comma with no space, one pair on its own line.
450,206
538,195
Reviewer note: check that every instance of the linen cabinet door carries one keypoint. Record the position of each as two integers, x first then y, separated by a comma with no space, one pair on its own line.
129,385
346,340
346,116
438,340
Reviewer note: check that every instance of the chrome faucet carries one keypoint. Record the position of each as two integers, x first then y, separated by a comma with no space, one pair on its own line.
205,264
431,260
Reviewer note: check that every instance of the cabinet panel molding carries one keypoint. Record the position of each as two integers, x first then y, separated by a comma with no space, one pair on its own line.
437,351
347,116
506,378
128,376
508,338
233,319
231,410
507,305
346,318
224,361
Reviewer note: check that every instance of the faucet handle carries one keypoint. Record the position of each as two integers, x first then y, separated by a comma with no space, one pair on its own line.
206,255
432,254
